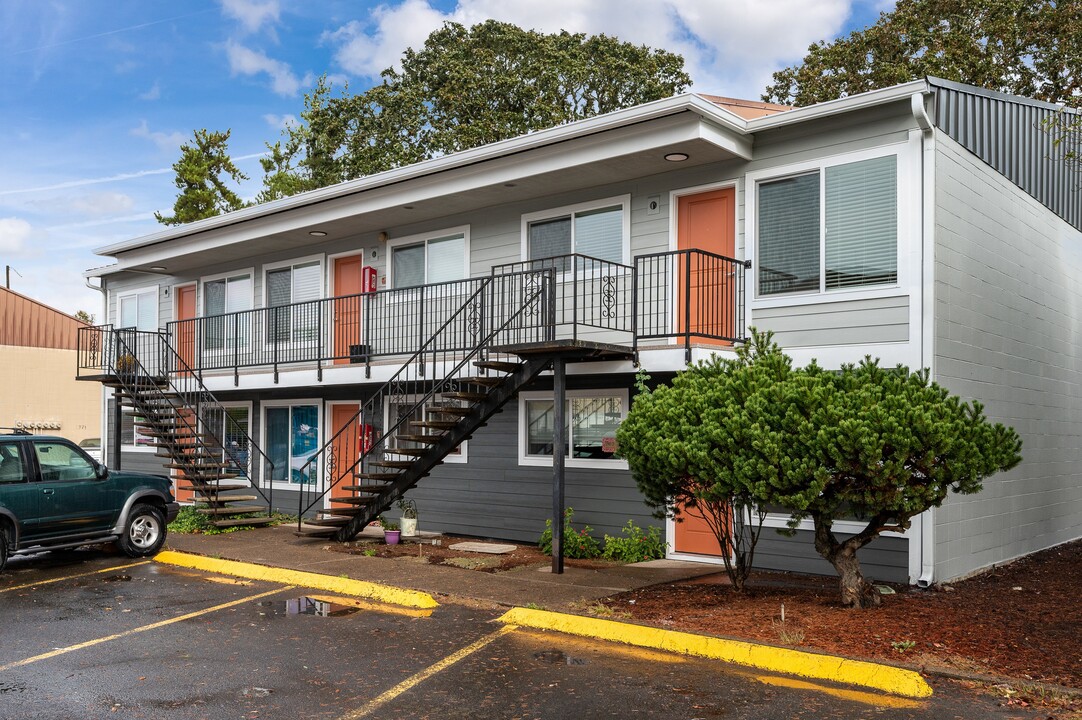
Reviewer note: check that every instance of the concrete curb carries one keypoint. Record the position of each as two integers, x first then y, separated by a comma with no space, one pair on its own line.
896,681
342,586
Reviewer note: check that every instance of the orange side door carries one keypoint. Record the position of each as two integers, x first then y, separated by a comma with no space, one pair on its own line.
347,310
706,221
346,448
185,300
693,534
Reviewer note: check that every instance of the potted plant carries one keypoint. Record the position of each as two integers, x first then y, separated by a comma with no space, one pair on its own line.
391,533
409,517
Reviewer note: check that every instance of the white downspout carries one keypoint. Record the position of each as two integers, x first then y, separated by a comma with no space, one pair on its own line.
104,418
925,522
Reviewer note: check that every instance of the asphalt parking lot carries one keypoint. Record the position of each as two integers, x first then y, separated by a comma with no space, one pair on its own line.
93,635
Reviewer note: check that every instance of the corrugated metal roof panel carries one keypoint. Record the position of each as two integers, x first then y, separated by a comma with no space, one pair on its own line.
1008,133
27,323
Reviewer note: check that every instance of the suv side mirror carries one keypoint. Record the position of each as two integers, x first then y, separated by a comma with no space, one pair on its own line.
100,471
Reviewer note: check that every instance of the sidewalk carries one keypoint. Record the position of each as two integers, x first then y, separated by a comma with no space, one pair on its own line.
279,547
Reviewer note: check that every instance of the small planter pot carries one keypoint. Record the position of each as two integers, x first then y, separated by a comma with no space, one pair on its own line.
391,537
409,526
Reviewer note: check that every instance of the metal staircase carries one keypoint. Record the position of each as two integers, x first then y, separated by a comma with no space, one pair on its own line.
211,453
438,398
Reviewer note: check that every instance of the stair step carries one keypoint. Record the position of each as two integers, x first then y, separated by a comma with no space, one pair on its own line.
353,500
434,424
501,365
327,522
200,466
232,510
427,439
315,532
348,511
471,396
212,499
486,380
451,410
370,489
211,485
255,520
402,464
385,477
415,452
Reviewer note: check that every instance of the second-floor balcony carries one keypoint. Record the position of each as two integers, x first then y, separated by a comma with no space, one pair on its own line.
685,297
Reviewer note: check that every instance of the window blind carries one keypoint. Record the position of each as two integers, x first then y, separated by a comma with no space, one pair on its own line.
550,238
862,223
789,235
600,233
446,259
408,265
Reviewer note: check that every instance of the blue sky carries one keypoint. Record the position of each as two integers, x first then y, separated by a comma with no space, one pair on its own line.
96,96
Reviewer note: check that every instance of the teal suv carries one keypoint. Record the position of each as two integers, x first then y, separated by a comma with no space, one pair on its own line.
54,496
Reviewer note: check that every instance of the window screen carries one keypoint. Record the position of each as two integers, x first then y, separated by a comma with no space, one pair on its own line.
600,234
789,235
446,259
550,238
408,266
862,223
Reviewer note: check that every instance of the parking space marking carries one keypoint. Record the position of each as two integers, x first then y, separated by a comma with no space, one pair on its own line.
153,626
859,696
73,577
428,672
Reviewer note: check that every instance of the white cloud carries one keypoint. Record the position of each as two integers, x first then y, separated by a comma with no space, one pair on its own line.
166,142
153,93
14,233
252,14
245,61
103,203
281,122
731,47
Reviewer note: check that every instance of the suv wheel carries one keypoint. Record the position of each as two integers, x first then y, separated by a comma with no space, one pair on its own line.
144,533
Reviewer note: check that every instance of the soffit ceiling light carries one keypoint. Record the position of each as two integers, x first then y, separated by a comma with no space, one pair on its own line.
317,233
676,157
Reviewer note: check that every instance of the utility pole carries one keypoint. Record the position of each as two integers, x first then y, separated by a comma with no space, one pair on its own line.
7,275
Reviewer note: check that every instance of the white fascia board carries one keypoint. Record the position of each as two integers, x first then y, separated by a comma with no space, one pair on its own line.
841,105
541,138
666,131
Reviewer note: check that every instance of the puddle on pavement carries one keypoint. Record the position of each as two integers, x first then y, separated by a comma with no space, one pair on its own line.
116,578
558,657
307,606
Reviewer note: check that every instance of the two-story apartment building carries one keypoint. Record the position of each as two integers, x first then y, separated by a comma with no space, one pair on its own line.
453,329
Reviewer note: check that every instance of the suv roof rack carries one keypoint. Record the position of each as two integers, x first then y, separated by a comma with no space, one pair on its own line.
16,431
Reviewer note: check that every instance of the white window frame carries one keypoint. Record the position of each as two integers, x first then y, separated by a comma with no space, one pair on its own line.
252,453
321,258
154,290
201,310
425,238
907,230
125,446
572,462
320,437
460,458
623,201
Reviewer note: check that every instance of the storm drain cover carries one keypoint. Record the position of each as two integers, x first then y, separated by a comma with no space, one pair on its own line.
483,548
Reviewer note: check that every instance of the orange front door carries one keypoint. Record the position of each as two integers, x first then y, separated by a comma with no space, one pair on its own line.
346,448
706,221
185,300
347,311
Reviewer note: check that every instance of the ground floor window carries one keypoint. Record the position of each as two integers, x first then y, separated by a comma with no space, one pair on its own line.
407,412
291,438
233,425
592,417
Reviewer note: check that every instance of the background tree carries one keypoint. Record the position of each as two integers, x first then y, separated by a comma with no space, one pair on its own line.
85,317
464,88
694,446
203,173
1025,47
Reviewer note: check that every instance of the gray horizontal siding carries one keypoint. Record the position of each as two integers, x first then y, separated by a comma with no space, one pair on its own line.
885,559
852,322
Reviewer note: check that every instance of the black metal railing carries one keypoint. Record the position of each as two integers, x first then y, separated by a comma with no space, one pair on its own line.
689,295
147,366
589,293
511,309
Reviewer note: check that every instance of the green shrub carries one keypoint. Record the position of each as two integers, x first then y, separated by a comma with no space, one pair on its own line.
578,544
637,546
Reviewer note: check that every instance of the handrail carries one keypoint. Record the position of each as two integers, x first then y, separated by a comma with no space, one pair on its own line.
397,387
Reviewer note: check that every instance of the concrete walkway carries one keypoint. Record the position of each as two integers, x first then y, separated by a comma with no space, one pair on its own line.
279,547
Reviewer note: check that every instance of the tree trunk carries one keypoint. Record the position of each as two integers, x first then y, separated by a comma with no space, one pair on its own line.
856,591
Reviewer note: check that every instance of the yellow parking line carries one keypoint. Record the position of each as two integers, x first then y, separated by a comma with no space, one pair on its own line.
867,698
420,677
72,577
127,633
